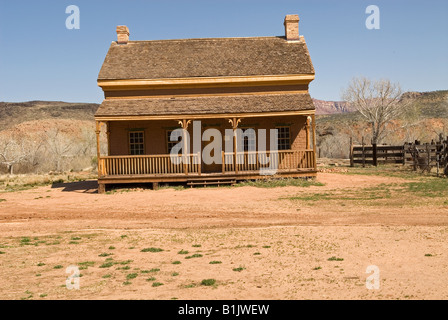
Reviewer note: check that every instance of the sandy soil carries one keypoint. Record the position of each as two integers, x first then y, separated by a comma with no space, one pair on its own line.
282,246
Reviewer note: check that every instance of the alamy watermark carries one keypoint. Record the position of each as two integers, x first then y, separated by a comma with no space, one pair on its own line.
73,280
373,20
246,153
373,280
73,20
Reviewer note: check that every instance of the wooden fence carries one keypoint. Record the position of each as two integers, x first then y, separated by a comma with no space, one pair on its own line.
420,156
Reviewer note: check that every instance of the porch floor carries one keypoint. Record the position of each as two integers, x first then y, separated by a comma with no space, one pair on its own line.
195,177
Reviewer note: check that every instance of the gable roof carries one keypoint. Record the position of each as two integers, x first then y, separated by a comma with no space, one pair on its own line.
213,57
205,105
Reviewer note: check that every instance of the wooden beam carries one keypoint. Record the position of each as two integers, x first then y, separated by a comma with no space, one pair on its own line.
234,122
98,153
308,132
108,137
206,116
184,125
313,119
204,82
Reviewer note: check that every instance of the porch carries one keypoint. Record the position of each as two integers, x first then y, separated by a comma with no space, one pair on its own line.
139,136
189,168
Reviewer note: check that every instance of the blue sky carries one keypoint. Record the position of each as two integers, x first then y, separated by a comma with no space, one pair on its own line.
40,59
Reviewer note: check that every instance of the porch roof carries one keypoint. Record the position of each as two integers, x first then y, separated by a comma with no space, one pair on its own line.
203,105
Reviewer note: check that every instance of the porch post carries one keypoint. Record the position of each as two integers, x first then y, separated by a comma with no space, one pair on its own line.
98,154
313,119
308,132
184,125
108,137
101,186
234,122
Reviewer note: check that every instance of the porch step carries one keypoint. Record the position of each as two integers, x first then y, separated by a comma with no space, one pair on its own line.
211,181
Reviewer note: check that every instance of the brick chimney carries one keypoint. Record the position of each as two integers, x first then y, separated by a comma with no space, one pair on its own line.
122,34
291,27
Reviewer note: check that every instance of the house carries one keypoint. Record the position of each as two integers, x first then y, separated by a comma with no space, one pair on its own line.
254,87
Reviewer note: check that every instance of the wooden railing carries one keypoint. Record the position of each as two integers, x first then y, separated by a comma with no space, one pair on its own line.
282,160
149,164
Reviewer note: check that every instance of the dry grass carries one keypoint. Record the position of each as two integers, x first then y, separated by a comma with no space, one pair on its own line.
11,183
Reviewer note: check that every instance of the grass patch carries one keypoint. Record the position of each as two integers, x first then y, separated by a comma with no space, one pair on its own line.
25,240
175,274
107,265
111,248
154,270
196,246
157,284
183,252
176,262
285,182
239,269
215,262
382,191
124,268
208,282
131,276
106,276
58,267
151,279
429,187
105,254
86,264
333,258
196,255
151,250
40,264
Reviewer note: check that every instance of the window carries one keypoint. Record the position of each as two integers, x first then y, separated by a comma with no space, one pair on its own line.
283,138
170,144
136,143
249,141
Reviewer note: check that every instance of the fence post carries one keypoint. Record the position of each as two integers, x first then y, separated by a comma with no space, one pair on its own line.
363,154
352,164
404,153
414,155
375,159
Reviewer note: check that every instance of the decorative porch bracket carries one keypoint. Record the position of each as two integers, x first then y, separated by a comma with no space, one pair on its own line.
234,122
184,125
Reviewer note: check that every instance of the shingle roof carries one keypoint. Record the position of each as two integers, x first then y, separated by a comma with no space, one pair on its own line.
206,105
214,57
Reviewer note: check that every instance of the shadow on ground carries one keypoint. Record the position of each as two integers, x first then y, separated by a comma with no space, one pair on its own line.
89,186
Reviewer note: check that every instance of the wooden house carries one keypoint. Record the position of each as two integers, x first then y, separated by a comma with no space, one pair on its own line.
152,88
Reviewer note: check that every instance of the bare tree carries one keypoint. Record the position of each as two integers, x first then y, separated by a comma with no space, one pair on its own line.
59,145
12,151
378,101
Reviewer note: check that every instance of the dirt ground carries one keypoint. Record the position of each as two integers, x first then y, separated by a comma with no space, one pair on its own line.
256,243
